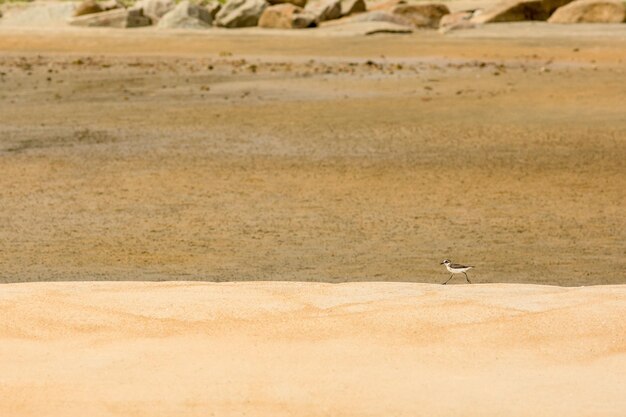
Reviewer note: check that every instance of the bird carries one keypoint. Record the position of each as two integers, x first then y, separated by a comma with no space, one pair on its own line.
456,269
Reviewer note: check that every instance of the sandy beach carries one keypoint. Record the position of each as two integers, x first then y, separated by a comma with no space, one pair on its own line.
251,222
256,155
311,349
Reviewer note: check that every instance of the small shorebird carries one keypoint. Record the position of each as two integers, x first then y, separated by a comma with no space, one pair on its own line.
456,269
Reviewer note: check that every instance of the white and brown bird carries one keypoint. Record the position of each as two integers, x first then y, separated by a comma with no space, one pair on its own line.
456,269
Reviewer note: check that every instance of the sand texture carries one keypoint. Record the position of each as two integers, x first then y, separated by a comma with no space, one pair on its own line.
267,157
250,155
311,349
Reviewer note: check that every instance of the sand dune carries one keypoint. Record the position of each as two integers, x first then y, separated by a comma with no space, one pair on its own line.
311,349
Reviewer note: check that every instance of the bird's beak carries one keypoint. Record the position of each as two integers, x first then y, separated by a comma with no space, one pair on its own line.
440,263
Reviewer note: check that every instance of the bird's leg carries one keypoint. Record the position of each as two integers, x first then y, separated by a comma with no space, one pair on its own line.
467,278
448,279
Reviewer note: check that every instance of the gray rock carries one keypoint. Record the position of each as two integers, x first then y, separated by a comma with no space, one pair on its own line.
186,16
119,18
456,20
240,13
154,9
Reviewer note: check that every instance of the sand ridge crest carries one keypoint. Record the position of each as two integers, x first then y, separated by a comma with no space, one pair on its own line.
232,347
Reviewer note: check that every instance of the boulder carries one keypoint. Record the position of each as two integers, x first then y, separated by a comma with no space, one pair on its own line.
385,5
154,9
418,15
550,6
91,6
375,16
590,11
421,15
186,16
111,5
456,20
213,8
363,28
287,16
349,7
240,13
119,18
39,14
324,10
519,10
87,7
299,3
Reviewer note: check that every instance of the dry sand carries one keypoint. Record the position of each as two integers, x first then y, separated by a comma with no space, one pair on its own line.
311,349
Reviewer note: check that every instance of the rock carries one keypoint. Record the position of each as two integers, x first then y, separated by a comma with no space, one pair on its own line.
457,20
349,7
287,16
240,13
519,10
386,5
91,6
40,14
186,16
324,10
590,11
111,5
299,3
375,16
550,6
87,7
213,8
363,28
154,9
421,15
120,18
418,15
383,27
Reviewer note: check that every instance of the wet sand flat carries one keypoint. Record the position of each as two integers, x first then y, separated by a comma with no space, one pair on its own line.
142,155
311,349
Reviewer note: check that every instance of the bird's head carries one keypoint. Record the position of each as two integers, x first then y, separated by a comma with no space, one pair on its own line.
445,262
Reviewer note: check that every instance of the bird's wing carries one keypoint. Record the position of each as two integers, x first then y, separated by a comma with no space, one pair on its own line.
459,266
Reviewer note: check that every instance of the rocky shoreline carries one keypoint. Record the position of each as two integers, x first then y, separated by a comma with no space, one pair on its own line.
396,16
